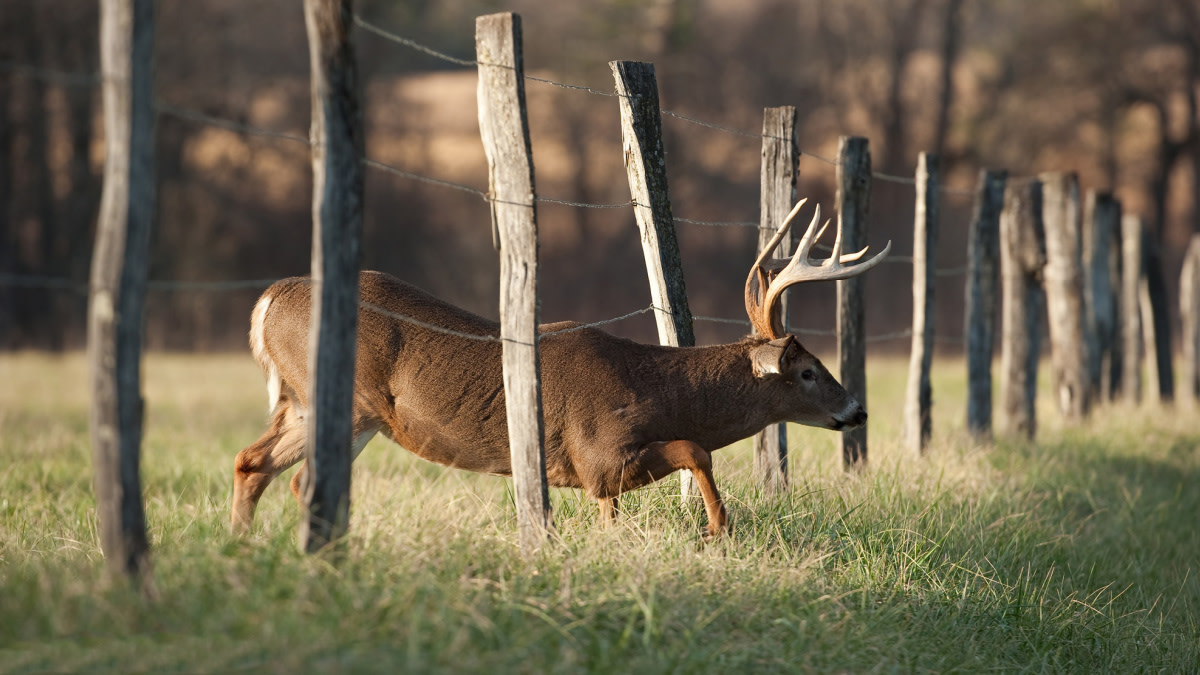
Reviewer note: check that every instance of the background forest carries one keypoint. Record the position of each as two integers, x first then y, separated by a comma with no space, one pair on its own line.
1107,88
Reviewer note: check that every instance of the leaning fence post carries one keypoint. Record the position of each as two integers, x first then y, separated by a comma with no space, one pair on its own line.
645,165
918,420
1022,260
1189,312
1101,220
337,150
853,199
118,285
504,126
983,243
780,170
1064,292
1131,315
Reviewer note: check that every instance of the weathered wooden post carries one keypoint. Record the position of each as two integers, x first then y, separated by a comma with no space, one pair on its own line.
1116,275
918,420
646,167
1189,312
780,170
1101,221
983,244
853,200
1131,314
1156,320
1064,292
1022,260
504,126
117,295
337,151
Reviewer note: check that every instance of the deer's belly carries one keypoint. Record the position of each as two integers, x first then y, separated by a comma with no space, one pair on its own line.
476,455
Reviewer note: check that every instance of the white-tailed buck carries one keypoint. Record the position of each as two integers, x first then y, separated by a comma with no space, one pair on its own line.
618,414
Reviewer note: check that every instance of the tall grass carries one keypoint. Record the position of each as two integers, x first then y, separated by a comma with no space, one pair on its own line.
1077,553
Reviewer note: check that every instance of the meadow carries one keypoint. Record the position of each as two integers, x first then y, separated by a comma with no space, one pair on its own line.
1075,553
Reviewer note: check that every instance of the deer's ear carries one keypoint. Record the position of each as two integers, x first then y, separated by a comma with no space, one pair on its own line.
770,358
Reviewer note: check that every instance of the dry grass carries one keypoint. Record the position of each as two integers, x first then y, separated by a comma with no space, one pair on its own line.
1074,554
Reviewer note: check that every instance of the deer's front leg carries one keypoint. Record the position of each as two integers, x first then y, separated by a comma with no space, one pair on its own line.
666,457
608,510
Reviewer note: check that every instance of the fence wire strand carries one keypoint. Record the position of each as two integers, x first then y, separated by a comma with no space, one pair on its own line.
68,78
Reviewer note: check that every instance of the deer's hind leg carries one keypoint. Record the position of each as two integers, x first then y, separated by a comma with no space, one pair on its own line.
280,447
364,430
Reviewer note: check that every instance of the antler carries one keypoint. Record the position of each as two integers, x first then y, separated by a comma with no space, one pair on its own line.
776,274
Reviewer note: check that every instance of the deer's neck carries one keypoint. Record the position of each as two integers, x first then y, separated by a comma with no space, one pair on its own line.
719,400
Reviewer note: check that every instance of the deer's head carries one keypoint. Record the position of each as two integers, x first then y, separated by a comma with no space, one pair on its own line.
812,395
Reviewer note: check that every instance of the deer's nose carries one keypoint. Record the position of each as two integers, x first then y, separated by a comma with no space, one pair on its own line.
860,417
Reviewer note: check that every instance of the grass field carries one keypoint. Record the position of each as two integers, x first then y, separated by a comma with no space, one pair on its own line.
1079,553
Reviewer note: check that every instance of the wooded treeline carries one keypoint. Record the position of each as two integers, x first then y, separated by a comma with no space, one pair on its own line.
1105,89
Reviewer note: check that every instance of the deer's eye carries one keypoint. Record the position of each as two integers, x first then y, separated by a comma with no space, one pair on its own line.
808,375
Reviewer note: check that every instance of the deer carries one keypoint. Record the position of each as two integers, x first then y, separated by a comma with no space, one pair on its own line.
618,414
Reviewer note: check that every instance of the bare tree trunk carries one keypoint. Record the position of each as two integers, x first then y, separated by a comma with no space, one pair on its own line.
951,20
904,41
1169,153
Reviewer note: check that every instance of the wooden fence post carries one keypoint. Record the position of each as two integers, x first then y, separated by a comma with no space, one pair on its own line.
1131,315
983,244
1156,320
337,151
118,285
853,200
504,126
1101,221
1189,312
780,170
1022,259
918,420
1064,292
646,167
1116,275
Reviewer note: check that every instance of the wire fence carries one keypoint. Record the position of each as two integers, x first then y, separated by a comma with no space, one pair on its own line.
67,78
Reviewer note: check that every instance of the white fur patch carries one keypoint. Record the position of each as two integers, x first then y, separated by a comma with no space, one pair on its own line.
258,347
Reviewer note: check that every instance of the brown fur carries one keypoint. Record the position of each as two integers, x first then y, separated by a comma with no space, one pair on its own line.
618,414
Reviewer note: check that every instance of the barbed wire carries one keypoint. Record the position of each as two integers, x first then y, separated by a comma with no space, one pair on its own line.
88,79
413,44
175,285
195,116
